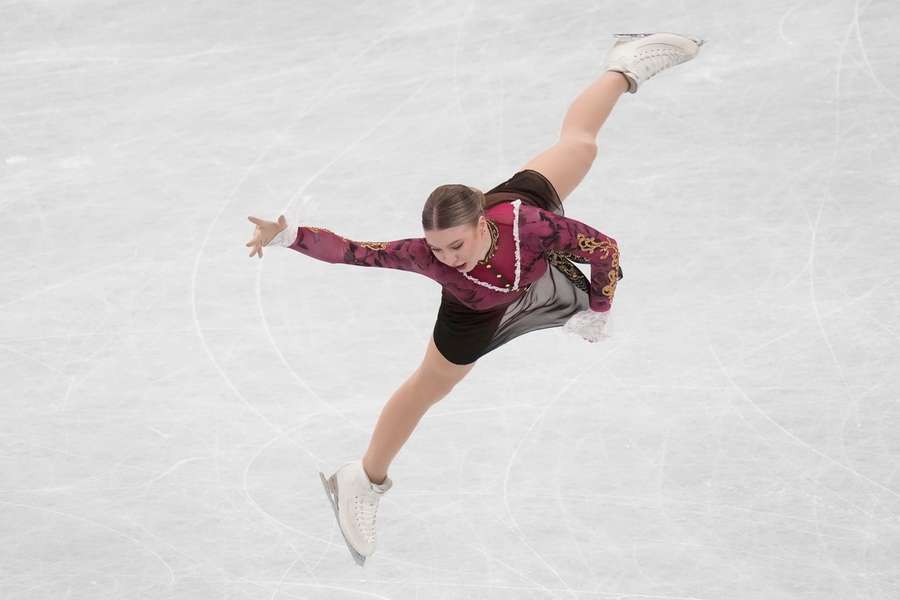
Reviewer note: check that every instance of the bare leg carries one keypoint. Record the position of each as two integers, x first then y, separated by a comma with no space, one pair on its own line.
567,162
591,107
399,417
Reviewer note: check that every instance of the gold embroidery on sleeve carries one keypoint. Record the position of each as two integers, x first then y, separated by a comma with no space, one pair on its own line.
589,244
374,245
318,229
613,275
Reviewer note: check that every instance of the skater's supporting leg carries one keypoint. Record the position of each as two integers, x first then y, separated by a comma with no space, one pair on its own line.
433,380
567,162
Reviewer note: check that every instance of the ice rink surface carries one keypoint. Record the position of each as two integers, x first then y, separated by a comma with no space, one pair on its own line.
168,400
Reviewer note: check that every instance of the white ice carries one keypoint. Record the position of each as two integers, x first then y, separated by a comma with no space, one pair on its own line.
168,400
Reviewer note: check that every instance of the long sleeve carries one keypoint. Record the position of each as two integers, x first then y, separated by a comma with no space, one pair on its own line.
411,254
544,231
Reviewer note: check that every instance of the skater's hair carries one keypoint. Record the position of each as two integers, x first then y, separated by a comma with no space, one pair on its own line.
452,205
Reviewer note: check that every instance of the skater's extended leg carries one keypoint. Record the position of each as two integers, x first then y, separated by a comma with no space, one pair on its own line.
592,106
567,162
433,380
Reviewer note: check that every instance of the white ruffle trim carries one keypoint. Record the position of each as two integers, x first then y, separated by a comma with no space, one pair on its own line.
588,324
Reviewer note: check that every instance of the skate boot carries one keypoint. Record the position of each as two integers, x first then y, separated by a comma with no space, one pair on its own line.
640,56
355,501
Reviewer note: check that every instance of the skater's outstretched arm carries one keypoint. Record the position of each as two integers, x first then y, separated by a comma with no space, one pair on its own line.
543,230
410,254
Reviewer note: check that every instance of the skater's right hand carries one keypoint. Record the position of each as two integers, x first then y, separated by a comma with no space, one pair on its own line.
264,232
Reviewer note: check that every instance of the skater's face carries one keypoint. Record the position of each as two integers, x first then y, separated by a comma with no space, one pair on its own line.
458,247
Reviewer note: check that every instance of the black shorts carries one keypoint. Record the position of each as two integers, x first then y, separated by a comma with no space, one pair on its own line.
532,187
463,335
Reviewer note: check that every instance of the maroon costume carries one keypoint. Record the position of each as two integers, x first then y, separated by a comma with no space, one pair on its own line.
546,289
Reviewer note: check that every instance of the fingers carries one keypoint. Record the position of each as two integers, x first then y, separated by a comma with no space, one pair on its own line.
255,243
256,240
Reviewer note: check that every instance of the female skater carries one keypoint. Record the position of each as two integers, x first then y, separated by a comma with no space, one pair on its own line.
504,261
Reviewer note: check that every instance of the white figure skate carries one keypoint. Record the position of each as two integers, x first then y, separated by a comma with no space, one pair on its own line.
354,500
640,56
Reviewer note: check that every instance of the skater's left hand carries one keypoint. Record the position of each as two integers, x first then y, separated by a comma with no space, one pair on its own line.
589,325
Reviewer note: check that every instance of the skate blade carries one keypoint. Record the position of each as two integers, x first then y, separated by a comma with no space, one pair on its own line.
631,36
331,492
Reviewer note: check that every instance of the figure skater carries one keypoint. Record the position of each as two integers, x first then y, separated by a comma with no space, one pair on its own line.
504,259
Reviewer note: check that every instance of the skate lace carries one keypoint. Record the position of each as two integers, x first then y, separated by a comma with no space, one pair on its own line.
366,509
656,59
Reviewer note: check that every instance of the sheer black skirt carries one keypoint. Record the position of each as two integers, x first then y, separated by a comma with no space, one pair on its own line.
463,335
